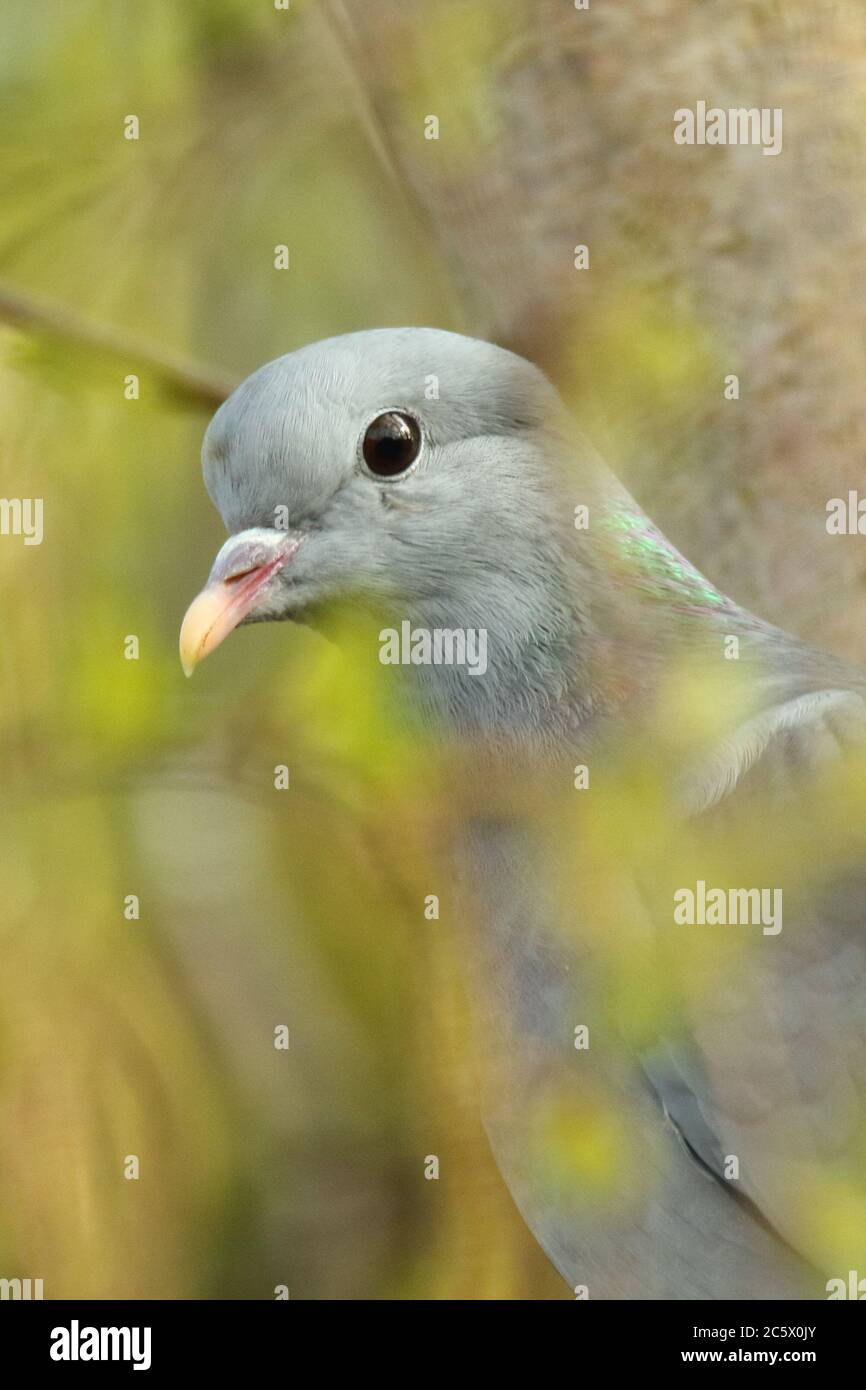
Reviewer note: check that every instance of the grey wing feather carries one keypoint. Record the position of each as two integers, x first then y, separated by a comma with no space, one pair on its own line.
774,1071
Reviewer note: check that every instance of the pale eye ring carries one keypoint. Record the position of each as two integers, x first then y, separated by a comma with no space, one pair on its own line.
390,444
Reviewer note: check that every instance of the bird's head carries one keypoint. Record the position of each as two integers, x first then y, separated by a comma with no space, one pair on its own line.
408,467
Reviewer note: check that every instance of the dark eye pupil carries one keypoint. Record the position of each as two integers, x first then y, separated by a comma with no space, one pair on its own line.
391,444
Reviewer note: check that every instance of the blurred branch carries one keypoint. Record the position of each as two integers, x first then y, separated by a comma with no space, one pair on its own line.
370,109
198,385
337,21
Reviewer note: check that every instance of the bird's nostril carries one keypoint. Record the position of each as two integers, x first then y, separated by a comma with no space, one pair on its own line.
241,574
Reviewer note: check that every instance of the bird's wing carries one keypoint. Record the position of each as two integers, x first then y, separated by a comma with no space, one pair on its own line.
767,1084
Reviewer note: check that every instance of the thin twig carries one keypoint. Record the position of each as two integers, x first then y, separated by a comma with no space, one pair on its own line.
200,386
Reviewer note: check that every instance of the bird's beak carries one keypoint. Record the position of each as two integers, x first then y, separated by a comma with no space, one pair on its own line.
242,571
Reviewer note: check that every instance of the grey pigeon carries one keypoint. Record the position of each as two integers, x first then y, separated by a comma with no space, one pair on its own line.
441,480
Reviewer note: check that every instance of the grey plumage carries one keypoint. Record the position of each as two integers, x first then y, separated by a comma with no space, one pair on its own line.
586,627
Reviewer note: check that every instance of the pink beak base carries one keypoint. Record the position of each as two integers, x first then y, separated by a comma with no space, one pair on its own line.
221,606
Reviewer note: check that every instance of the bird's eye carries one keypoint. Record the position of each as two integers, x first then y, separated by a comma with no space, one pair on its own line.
391,444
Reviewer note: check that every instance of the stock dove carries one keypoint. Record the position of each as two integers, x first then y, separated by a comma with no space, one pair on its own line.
440,479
